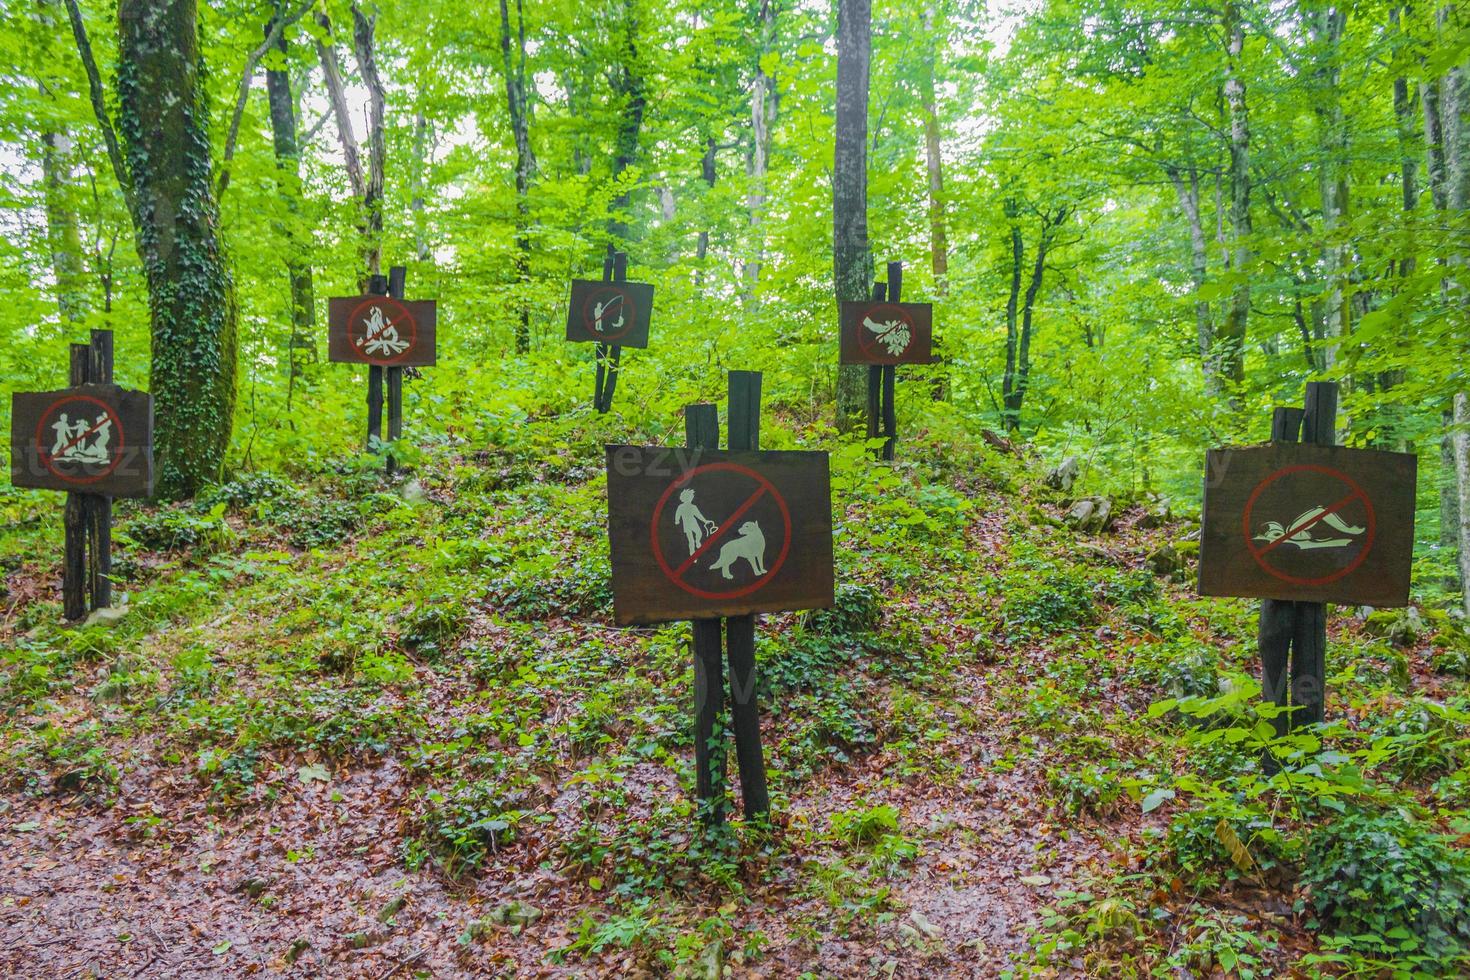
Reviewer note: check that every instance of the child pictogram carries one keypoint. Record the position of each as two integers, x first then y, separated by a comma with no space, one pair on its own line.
82,441
693,523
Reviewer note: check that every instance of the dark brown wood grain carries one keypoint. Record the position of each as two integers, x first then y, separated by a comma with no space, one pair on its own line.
730,491
861,345
415,323
119,419
1263,535
632,302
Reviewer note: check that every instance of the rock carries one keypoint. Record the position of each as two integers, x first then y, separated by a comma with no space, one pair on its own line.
709,966
294,951
515,913
1091,515
1063,475
1095,555
106,616
1156,513
928,928
413,491
1173,560
253,887
394,906
1401,628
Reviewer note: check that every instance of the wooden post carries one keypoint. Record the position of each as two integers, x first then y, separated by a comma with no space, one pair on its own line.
1278,616
702,431
377,286
744,427
1309,657
875,377
396,276
97,508
890,371
609,356
74,516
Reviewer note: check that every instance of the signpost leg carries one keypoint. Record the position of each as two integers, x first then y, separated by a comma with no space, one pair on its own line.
1278,616
890,371
74,517
377,286
609,356
396,276
1309,656
745,399
702,431
875,378
97,508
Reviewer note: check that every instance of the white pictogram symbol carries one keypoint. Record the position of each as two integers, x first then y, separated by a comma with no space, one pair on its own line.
1300,533
381,337
893,334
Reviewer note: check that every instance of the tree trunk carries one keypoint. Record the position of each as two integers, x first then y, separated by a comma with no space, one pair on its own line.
1231,341
58,162
423,138
363,43
283,110
1462,479
164,120
1017,377
852,263
1204,326
1328,25
515,100
628,86
934,163
757,163
710,174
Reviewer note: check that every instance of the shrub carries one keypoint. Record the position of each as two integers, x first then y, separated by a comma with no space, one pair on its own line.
1383,881
179,529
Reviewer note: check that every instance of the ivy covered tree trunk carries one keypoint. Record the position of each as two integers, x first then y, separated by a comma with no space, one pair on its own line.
164,122
852,261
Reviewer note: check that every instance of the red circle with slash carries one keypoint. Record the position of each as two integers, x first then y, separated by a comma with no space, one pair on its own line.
630,312
763,487
867,341
50,460
1354,494
357,328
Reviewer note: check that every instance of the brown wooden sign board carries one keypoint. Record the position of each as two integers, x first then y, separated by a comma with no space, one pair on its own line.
698,534
381,330
89,439
610,312
1308,523
887,333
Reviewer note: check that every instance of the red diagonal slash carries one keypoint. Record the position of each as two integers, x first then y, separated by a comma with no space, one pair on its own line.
79,438
729,523
1308,524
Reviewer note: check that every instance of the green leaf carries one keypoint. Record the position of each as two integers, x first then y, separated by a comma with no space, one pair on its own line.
1156,799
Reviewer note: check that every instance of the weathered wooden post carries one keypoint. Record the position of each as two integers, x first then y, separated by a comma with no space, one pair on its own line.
745,426
883,333
700,534
613,313
387,333
1301,524
95,441
609,355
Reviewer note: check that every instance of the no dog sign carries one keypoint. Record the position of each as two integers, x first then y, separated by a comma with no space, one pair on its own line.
698,534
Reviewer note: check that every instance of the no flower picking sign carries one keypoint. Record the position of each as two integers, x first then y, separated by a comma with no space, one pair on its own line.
1308,523
699,534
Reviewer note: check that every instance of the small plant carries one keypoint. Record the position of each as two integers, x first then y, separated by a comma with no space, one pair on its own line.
180,529
862,827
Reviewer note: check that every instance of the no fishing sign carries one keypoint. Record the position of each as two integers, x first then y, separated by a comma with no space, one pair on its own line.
1308,523
610,312
94,439
699,534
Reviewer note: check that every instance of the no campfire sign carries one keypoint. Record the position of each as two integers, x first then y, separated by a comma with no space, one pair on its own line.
699,534
1308,523
887,333
381,330
610,312
89,439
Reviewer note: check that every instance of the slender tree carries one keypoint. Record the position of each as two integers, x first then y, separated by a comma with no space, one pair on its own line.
852,260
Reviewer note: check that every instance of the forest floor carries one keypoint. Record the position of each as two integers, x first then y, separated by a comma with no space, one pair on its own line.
360,727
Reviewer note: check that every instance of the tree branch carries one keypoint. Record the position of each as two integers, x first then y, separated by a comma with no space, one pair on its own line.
278,25
99,109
